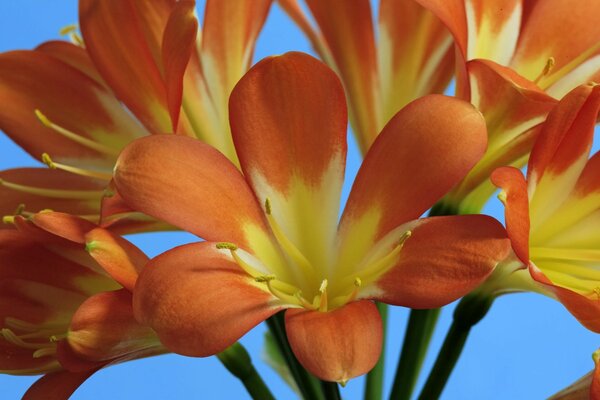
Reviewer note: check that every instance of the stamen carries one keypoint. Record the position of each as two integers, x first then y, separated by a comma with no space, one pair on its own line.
53,193
269,279
380,266
303,302
99,147
47,351
345,299
502,197
11,337
253,272
323,296
287,245
71,31
547,69
75,170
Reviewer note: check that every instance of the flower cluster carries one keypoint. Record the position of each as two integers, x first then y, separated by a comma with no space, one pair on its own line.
147,123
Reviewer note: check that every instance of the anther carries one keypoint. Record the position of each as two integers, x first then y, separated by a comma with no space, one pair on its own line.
547,69
8,219
65,30
323,296
226,245
268,206
264,278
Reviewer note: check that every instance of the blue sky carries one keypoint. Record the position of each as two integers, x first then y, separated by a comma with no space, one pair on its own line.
527,348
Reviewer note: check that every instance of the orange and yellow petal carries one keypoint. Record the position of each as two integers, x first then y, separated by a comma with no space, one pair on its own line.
443,259
29,190
199,301
199,190
61,111
288,119
124,38
412,164
337,345
516,203
347,29
103,329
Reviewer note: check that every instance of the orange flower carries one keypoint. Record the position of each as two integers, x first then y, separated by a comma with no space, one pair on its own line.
64,313
136,70
407,55
288,119
515,58
552,216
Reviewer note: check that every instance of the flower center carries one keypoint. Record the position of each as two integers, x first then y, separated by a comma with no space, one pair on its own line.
314,289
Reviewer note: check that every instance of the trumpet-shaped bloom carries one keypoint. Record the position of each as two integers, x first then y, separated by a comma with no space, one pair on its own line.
514,59
137,69
66,312
552,216
408,54
272,236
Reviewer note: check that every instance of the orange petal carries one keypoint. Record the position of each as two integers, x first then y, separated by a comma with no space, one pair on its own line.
337,345
58,385
103,328
567,134
585,309
68,98
416,56
297,130
178,43
516,204
512,107
543,35
198,300
40,189
73,55
444,259
199,190
415,160
347,28
120,258
63,225
288,118
123,39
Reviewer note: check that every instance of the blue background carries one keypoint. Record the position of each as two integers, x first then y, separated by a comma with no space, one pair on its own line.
527,348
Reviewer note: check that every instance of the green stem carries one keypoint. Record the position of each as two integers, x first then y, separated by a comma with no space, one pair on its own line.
469,311
374,384
331,390
419,331
237,360
307,384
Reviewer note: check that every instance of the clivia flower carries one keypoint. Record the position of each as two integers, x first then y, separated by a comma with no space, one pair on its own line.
273,241
66,302
137,69
552,216
407,54
514,60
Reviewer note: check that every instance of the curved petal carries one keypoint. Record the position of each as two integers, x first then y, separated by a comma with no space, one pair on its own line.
585,309
98,124
413,162
513,108
576,53
347,28
58,385
63,225
288,119
198,300
122,260
74,55
562,150
178,43
337,345
444,259
40,189
103,328
199,190
416,56
123,39
516,204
